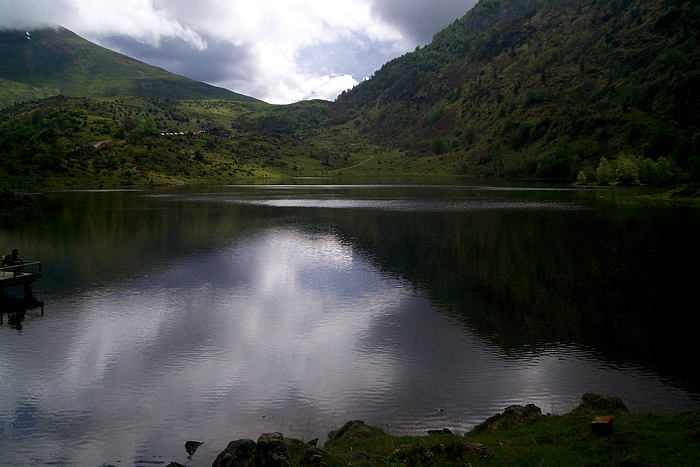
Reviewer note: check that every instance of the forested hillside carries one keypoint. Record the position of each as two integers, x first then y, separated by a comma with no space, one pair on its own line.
62,142
601,91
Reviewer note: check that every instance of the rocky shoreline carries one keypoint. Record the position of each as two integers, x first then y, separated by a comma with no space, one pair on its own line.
275,450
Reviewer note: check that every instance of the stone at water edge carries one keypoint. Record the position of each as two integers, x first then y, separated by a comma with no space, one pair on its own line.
444,431
271,450
594,403
236,454
355,428
512,415
313,456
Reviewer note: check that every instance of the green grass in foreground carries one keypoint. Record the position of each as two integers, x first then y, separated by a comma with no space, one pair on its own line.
532,440
548,441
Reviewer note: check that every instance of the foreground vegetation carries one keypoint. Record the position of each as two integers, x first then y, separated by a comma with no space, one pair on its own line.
567,440
528,440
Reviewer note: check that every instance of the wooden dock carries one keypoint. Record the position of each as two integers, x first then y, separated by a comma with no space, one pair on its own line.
24,275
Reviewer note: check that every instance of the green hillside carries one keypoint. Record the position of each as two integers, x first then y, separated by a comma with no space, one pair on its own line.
585,91
605,91
63,142
52,61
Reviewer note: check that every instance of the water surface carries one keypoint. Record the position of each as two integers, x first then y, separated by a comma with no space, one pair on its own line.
219,313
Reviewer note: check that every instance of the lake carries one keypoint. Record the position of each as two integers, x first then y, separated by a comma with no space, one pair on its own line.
219,313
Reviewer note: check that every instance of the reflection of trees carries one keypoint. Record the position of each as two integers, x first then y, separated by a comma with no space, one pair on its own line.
85,238
610,280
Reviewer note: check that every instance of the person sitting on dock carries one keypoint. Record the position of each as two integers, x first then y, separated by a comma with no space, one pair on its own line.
12,259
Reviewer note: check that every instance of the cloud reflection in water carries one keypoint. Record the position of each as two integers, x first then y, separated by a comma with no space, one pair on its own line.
240,338
286,330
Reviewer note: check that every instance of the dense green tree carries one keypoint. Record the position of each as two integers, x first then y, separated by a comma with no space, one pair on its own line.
605,173
627,172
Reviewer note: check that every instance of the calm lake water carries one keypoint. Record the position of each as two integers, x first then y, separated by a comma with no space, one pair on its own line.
219,313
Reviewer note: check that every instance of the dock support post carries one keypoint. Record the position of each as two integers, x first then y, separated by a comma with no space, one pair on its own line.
28,296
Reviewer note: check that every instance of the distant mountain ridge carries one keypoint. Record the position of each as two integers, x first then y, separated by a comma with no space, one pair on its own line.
49,61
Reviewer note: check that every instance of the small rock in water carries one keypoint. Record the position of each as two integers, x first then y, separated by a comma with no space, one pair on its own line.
191,447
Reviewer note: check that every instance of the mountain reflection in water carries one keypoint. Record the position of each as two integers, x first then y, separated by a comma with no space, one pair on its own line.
221,314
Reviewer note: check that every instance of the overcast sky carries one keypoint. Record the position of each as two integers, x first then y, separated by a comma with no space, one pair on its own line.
280,51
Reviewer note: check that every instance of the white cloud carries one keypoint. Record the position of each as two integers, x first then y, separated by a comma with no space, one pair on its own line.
135,18
285,50
331,87
274,32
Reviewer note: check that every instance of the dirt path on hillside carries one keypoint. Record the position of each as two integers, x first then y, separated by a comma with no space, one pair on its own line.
370,158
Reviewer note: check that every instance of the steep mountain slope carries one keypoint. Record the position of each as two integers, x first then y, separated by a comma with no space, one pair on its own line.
603,90
51,61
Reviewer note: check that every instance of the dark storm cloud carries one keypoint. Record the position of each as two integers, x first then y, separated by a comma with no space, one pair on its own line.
361,58
220,61
421,19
